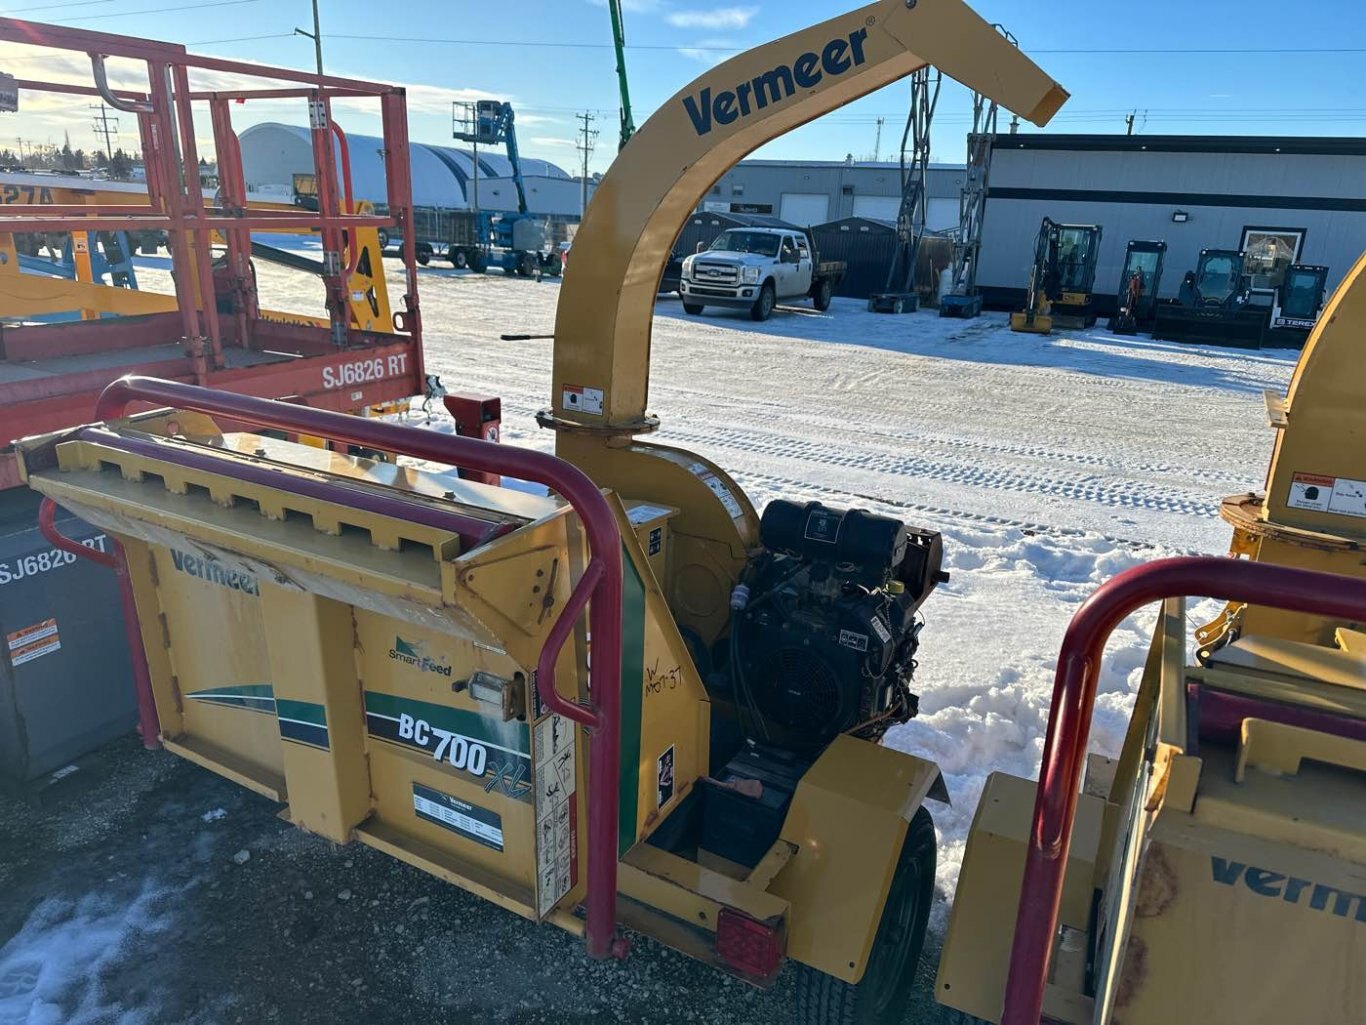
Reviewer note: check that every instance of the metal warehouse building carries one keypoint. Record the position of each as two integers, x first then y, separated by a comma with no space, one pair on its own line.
1305,195
443,176
816,192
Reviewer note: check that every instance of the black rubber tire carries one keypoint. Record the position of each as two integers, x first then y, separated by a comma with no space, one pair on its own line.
822,296
693,309
763,306
872,306
383,240
424,254
459,259
879,998
478,263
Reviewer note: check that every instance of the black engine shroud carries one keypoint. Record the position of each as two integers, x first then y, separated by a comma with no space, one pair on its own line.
825,626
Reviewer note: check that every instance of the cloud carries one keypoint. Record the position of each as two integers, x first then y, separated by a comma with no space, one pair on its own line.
551,140
710,51
717,17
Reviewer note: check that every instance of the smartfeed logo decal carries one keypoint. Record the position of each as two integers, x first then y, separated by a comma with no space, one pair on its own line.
412,653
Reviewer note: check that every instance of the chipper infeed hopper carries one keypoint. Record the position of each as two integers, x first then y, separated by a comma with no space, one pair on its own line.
374,646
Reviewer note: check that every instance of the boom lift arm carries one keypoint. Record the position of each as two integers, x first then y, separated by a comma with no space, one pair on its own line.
628,125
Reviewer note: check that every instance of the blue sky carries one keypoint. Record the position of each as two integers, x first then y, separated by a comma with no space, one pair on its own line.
460,48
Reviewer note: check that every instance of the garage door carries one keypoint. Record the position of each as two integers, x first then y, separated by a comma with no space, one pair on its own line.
804,208
941,214
881,208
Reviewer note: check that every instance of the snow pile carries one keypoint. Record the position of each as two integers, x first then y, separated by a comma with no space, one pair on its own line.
50,971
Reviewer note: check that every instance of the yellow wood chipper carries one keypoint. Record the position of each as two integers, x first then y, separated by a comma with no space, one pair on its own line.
634,703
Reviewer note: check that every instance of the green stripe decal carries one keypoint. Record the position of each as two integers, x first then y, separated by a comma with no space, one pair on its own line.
632,695
489,729
302,711
259,697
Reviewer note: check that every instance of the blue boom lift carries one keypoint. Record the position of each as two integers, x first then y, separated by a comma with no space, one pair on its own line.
480,239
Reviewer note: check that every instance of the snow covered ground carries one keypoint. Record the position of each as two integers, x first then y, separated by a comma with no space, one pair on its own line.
1049,463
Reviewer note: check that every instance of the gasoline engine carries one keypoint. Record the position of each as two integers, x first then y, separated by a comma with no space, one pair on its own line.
825,625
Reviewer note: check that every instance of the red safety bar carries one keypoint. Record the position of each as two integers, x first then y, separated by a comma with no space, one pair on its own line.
1069,721
600,583
149,725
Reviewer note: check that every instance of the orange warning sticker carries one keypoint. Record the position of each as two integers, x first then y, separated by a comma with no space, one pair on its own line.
33,642
1314,478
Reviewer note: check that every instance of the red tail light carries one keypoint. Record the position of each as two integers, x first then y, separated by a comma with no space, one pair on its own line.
748,946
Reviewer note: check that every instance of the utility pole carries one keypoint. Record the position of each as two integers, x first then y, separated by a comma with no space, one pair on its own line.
1129,122
316,35
106,126
590,136
877,145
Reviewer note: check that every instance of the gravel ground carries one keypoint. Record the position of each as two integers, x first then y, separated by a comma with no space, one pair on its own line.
143,890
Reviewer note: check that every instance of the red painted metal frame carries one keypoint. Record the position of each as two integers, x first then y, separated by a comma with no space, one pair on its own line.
1069,721
600,586
178,205
149,724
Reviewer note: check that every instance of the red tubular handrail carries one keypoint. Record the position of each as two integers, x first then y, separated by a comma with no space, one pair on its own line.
1074,696
344,154
601,583
149,724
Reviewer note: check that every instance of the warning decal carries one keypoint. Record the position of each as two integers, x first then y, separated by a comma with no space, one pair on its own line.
33,642
718,488
578,399
1318,493
557,842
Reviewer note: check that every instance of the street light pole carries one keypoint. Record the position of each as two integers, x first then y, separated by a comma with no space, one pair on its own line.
316,35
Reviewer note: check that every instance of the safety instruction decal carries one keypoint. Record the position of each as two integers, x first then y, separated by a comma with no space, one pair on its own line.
469,820
1318,493
578,399
33,642
557,840
718,488
664,778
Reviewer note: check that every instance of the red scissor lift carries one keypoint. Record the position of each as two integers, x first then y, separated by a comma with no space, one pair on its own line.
217,335
51,374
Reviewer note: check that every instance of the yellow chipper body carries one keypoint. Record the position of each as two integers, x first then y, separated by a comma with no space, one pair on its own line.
1216,871
632,700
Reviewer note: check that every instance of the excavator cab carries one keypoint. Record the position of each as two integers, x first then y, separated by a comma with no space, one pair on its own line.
1299,301
1061,279
1138,285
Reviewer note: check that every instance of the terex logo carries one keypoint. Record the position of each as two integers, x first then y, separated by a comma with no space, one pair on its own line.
835,58
411,653
1291,889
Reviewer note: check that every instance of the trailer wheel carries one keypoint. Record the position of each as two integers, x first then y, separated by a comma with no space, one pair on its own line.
383,239
459,259
693,308
880,997
424,254
763,306
824,293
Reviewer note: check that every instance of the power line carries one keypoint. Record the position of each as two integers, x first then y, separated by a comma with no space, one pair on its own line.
561,44
55,7
162,10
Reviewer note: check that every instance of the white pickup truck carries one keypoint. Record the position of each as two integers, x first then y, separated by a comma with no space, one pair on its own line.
754,268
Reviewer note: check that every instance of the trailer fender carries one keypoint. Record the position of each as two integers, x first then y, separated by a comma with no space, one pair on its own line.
848,820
